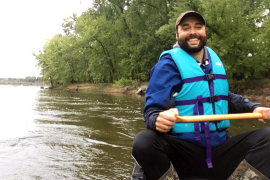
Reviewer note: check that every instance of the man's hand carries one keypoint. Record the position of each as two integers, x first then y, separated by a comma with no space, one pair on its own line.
166,120
265,112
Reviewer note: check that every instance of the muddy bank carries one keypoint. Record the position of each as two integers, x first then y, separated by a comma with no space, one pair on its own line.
106,88
260,94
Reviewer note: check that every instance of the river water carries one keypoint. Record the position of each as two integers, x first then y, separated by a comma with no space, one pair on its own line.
59,134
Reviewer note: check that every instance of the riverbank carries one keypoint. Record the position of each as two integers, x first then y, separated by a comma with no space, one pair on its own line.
261,93
105,88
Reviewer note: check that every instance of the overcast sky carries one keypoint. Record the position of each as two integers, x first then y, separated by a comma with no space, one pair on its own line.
25,25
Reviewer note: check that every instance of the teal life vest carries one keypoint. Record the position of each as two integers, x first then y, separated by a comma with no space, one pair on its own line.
201,94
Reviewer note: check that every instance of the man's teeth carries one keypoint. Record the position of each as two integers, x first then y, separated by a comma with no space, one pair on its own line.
193,39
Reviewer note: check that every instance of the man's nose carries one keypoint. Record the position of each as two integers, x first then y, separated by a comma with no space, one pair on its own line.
192,30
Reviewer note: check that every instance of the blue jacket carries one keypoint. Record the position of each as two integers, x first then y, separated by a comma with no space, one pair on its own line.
165,80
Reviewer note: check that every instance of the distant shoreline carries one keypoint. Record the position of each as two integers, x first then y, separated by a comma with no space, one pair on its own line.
29,80
22,83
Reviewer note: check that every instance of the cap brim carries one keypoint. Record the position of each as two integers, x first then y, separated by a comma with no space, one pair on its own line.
192,14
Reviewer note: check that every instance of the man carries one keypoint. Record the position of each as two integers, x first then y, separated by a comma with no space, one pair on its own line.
190,79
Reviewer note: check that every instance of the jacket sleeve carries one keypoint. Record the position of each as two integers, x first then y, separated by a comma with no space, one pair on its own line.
164,81
239,104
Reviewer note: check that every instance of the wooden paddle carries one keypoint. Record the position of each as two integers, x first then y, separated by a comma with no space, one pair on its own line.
201,118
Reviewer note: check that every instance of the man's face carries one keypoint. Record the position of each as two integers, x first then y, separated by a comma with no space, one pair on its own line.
191,35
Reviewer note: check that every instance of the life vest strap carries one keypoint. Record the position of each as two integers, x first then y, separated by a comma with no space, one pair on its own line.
210,99
208,146
197,105
204,127
206,77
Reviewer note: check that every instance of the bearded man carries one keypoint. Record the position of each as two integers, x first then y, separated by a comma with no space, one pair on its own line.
190,79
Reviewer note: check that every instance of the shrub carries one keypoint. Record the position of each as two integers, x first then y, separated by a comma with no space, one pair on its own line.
122,82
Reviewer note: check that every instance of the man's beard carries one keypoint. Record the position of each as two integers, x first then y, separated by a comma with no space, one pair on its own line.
184,45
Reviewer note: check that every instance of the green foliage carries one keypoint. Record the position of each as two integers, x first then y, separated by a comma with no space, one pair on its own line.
122,82
231,29
122,39
265,81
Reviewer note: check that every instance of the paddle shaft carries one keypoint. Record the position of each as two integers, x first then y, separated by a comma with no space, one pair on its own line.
201,118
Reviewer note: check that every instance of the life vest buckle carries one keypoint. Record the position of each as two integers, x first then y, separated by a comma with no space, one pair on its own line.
208,77
212,99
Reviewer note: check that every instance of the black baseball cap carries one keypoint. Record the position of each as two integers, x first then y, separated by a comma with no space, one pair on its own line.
188,14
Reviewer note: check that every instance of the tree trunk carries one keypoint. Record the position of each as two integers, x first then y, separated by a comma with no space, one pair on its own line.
166,10
110,79
51,81
90,77
138,72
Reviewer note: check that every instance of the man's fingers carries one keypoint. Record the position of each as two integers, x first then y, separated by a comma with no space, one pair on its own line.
260,120
164,125
168,115
265,112
174,110
165,121
163,128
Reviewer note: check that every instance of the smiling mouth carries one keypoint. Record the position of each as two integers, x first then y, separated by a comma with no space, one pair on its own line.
193,40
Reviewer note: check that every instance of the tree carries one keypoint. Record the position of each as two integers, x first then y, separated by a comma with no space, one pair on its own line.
122,39
232,30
